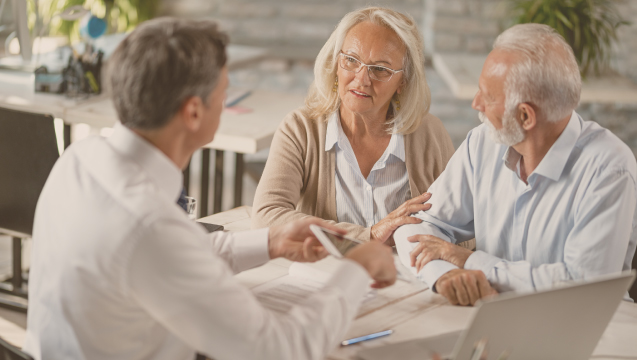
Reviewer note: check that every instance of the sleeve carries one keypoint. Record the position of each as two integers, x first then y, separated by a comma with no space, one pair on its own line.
596,245
191,292
450,217
241,250
279,189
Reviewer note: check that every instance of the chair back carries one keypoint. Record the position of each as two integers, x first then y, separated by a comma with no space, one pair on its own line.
28,151
10,352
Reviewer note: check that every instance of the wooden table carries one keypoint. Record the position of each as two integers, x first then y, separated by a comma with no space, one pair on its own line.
424,314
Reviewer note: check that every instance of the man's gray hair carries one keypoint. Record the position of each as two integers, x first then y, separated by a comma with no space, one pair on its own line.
547,74
161,64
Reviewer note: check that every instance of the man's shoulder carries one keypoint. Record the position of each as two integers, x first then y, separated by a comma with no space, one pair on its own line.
107,175
600,146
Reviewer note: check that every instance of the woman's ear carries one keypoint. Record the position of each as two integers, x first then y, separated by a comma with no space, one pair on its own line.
401,87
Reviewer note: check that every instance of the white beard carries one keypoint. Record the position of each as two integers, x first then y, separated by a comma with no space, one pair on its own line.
511,133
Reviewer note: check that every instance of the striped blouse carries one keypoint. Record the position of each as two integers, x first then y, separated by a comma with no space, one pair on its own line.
364,201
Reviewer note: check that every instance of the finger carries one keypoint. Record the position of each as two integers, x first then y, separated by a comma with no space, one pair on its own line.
419,238
418,265
461,291
424,260
321,252
402,220
445,289
380,284
483,284
308,250
471,284
419,199
415,208
317,248
413,254
329,226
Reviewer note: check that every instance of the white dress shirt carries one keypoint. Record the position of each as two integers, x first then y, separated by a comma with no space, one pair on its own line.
120,272
574,220
366,201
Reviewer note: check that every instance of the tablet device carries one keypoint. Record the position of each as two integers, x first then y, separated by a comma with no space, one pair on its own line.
335,244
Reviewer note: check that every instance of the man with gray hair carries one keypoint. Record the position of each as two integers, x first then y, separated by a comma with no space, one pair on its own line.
548,196
119,271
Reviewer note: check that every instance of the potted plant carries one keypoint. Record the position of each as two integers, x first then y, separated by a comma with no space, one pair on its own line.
120,15
589,26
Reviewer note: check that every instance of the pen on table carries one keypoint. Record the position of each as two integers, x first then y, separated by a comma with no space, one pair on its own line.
366,337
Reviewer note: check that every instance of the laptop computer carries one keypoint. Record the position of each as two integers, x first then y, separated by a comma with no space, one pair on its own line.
561,323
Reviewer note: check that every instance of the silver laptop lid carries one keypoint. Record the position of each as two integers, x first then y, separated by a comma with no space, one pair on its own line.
562,323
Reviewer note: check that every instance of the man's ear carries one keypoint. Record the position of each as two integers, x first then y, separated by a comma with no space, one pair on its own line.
191,113
527,116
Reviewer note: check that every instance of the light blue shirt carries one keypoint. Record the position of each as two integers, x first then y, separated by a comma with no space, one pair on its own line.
574,220
366,201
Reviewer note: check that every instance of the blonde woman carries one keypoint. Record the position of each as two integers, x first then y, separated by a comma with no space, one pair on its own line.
364,149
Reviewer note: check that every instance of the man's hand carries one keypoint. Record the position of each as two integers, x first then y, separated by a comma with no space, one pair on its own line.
464,287
295,241
384,230
433,248
377,259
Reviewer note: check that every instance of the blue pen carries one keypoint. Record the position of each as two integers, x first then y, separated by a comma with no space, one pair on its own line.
367,337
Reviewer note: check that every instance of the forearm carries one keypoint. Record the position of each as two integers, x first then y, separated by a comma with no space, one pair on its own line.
189,290
241,250
273,215
433,270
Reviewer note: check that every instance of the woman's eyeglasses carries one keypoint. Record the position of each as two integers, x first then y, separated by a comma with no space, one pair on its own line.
376,72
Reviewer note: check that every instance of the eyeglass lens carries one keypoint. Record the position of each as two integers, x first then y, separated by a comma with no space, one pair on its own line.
379,73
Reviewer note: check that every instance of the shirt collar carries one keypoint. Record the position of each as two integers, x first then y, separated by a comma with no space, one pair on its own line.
555,159
163,173
334,134
331,134
553,163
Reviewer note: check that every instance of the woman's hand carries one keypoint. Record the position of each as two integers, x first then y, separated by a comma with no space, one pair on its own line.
384,230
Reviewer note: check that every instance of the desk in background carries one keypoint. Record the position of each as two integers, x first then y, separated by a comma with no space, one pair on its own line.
246,133
424,314
243,134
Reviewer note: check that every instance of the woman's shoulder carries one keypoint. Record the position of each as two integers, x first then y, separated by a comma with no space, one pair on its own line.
430,134
429,125
302,129
301,121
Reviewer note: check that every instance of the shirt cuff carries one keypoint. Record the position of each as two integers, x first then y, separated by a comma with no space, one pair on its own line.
366,235
434,269
251,248
353,280
480,260
404,247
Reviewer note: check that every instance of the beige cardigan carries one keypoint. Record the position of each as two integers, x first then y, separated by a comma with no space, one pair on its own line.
298,179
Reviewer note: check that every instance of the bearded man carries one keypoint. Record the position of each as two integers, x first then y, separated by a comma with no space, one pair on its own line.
548,196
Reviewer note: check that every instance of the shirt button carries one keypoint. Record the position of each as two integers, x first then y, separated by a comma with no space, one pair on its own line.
369,188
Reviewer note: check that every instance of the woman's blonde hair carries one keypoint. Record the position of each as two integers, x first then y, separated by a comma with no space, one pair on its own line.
415,97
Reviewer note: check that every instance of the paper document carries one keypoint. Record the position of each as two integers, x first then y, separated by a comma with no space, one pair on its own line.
303,280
